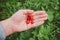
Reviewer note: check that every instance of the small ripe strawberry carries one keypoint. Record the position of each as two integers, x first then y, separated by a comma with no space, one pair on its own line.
32,21
27,22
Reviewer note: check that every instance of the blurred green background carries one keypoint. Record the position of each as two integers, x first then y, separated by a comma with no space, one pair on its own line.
50,30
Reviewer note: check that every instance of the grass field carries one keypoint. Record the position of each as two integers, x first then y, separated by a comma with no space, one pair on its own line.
50,30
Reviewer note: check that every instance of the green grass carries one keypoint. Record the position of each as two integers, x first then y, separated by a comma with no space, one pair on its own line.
50,30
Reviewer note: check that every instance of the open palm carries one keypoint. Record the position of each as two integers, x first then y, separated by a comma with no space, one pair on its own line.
19,19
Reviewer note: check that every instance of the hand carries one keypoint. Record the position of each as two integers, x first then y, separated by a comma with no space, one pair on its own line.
17,22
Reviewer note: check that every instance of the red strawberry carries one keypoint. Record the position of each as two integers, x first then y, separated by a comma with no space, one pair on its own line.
27,22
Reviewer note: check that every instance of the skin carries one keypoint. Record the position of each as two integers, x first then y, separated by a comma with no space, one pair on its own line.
17,22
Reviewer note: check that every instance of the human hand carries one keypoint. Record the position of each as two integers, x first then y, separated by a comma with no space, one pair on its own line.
17,21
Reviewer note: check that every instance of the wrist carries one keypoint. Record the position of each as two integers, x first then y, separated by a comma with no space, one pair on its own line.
8,28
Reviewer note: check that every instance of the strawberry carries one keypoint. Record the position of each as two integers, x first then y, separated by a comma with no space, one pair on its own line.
27,22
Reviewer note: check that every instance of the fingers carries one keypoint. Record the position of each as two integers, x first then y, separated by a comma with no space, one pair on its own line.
36,23
40,15
39,12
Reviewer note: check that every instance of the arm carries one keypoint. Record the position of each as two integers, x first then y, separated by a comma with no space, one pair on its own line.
15,22
6,24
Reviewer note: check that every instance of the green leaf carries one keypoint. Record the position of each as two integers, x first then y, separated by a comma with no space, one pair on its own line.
50,15
31,39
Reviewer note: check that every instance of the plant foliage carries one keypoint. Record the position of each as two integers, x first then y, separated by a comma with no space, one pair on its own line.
50,30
